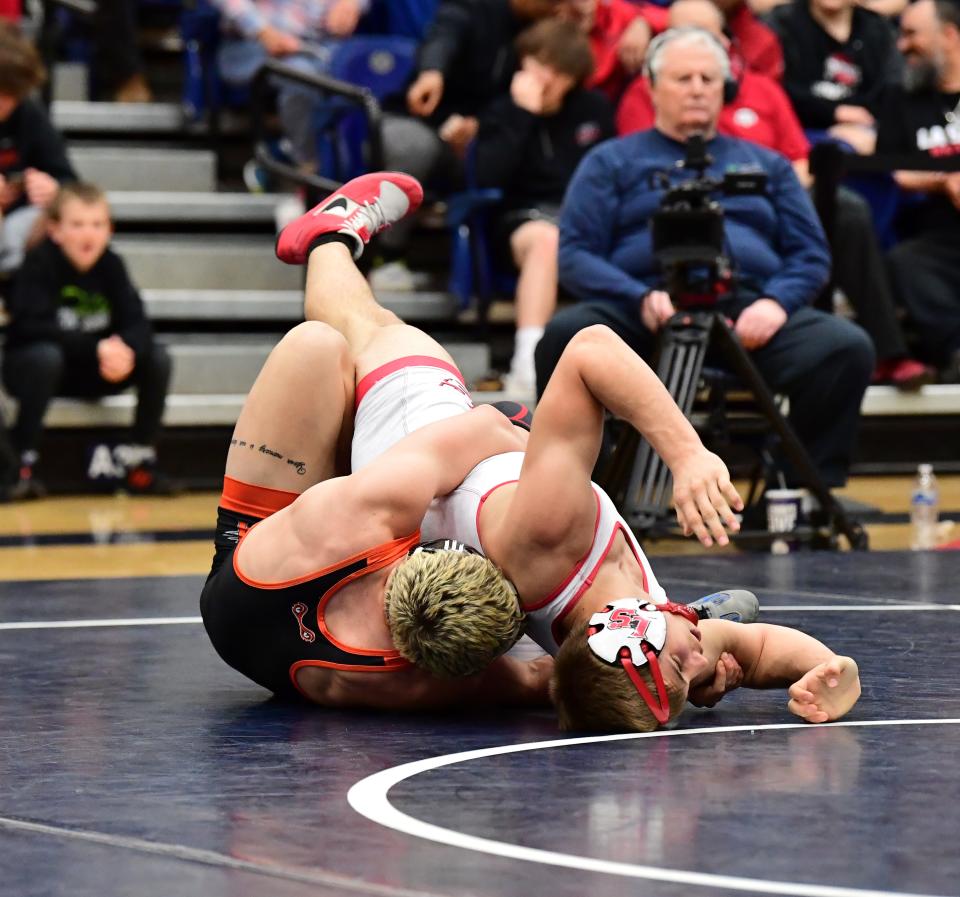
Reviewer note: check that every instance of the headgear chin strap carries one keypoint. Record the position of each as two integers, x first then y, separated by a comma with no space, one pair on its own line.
632,632
442,545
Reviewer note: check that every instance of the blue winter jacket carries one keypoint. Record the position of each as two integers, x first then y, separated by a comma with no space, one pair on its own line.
774,240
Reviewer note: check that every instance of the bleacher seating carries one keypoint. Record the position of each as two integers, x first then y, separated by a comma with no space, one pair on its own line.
203,259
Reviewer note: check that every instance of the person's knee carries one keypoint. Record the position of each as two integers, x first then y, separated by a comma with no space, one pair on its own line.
40,362
535,241
850,347
313,343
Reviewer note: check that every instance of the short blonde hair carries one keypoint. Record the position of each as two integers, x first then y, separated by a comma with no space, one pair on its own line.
593,696
87,193
451,613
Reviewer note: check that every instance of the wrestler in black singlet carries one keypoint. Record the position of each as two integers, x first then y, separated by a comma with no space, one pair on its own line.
267,633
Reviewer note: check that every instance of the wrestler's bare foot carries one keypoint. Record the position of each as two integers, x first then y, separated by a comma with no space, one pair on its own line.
826,692
360,209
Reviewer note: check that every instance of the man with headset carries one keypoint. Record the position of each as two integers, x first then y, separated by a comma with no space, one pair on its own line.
774,240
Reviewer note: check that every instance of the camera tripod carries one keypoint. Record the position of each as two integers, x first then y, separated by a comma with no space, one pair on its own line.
640,482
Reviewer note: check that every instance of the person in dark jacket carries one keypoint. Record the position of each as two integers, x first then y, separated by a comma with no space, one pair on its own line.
466,60
529,145
776,245
78,328
32,155
838,58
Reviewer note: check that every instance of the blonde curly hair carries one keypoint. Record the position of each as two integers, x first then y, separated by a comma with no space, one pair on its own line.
593,696
451,613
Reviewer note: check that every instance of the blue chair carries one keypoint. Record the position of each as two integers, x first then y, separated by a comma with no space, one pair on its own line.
400,18
383,65
471,216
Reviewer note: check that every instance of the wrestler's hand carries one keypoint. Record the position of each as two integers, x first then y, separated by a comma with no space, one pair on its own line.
727,676
827,692
704,498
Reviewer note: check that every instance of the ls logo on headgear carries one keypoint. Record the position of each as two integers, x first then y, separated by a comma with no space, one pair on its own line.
627,623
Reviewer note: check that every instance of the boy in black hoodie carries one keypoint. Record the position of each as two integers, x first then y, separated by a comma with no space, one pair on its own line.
78,328
529,144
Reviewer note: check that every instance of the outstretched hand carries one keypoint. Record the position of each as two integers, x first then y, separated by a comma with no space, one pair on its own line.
727,676
704,498
826,692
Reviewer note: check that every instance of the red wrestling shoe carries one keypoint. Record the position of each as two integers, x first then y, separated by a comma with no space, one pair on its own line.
358,210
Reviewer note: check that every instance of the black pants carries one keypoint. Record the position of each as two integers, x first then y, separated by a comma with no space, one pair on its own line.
926,276
859,270
116,52
822,362
37,372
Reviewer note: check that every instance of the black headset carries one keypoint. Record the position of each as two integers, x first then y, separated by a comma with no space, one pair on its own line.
657,45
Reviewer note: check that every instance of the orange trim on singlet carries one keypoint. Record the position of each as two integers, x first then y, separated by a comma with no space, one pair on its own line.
257,501
383,555
619,528
380,557
408,361
373,555
577,566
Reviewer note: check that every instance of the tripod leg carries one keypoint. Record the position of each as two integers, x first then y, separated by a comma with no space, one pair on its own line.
740,361
683,347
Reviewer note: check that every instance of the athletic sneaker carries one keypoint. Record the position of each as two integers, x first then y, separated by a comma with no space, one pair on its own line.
738,605
360,209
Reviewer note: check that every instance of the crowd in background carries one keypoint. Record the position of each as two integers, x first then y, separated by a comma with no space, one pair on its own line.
529,96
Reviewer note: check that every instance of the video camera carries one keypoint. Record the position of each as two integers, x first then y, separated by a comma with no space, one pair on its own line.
687,230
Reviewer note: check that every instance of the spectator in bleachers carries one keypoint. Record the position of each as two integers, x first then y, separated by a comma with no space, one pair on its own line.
761,112
303,34
779,254
466,60
925,117
838,58
755,42
32,155
529,144
78,328
619,33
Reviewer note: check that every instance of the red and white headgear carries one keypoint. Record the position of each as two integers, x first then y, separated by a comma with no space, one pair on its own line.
632,632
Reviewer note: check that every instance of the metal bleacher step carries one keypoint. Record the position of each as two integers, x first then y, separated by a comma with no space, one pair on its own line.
936,399
71,81
206,262
158,206
73,116
210,382
129,168
279,305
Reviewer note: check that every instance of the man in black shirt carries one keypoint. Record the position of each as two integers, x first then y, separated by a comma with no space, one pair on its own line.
925,117
837,56
77,327
32,156
529,145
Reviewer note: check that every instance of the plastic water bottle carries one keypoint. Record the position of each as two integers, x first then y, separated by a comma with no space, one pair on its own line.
924,509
